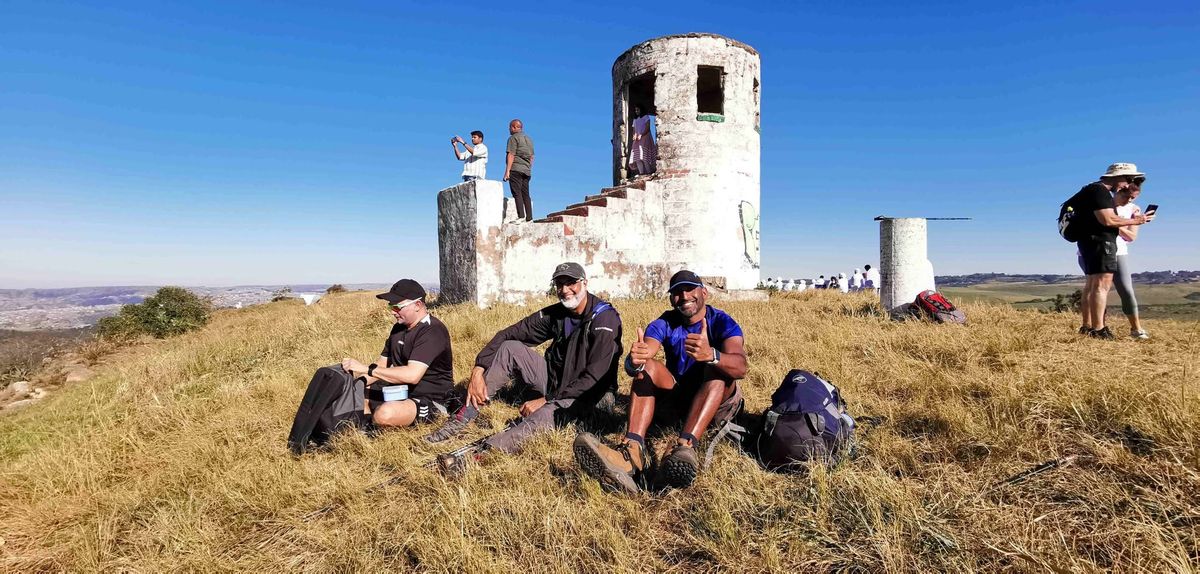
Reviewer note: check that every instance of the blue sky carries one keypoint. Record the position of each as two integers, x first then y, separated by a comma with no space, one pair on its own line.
236,143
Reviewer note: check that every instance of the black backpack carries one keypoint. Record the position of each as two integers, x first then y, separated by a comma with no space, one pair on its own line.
334,399
1070,226
807,421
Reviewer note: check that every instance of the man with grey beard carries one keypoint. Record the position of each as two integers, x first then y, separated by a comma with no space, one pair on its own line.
578,370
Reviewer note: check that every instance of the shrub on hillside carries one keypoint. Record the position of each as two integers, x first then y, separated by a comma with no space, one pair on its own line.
170,311
281,294
336,288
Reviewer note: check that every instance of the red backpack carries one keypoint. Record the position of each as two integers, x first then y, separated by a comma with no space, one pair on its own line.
937,308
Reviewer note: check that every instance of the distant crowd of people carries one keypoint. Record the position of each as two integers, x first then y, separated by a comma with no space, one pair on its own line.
866,279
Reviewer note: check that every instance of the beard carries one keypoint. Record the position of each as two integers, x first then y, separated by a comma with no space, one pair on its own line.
695,308
571,302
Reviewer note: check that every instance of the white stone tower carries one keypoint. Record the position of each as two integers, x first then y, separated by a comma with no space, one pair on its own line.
698,210
704,90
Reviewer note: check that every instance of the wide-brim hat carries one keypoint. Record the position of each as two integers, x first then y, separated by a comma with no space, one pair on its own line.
1121,170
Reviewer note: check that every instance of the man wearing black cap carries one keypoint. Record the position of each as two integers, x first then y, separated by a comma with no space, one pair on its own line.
578,370
696,382
416,355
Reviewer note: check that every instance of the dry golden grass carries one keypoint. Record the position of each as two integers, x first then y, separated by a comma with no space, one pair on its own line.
173,458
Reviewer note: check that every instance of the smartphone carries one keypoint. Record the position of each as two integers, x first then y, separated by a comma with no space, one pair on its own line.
1150,209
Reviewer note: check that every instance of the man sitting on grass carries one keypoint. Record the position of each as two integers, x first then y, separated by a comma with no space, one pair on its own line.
697,381
416,353
579,369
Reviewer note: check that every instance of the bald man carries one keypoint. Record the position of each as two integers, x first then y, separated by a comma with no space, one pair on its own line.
519,168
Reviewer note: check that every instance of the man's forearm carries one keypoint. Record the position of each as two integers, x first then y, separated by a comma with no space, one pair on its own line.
509,162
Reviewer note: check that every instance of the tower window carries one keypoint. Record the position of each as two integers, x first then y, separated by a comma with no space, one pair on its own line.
710,90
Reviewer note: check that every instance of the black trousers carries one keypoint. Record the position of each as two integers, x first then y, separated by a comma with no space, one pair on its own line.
518,184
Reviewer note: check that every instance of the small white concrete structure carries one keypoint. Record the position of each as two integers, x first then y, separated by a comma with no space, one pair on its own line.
904,266
699,210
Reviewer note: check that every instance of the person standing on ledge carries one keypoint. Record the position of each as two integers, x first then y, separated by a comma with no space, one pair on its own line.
474,157
518,169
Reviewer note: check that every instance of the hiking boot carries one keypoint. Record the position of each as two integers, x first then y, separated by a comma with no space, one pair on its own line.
1085,330
1104,333
1139,335
616,468
453,427
453,465
678,469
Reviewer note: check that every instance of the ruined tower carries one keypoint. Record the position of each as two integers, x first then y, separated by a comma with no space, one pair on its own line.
704,90
698,210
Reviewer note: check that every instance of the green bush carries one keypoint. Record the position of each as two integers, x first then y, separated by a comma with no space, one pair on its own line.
336,288
170,311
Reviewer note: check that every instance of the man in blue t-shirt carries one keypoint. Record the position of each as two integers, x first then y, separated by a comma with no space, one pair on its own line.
696,381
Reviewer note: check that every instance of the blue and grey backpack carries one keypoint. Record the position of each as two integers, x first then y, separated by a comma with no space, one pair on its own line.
807,421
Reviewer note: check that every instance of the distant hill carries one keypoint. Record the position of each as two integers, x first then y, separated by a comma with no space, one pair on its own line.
74,307
1145,278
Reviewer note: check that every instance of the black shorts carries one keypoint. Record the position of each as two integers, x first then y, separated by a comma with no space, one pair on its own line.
1098,255
427,410
675,404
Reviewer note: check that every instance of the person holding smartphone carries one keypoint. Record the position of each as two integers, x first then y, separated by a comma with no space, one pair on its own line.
1123,279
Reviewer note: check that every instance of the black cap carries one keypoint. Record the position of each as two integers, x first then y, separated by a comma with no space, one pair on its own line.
569,269
403,290
684,277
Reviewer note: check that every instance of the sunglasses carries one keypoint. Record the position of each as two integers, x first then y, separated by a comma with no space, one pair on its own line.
398,307
1136,179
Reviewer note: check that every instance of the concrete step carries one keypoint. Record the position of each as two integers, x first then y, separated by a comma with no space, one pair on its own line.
597,202
581,210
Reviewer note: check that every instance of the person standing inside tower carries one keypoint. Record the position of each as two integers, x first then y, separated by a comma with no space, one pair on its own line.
695,382
518,169
644,155
474,156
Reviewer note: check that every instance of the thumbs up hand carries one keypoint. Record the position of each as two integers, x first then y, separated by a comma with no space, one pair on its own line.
696,345
640,352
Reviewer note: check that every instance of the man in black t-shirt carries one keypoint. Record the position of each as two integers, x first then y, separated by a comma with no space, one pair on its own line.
417,353
1098,247
416,358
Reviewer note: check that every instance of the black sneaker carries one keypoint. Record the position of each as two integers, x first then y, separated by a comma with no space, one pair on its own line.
454,426
1085,330
1104,333
679,468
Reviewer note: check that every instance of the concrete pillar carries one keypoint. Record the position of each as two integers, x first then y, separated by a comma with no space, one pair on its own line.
904,268
470,215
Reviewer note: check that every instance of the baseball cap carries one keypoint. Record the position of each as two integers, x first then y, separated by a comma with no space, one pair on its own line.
684,277
569,269
403,290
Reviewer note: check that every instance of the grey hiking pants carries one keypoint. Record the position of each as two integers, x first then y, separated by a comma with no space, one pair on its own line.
523,366
1123,281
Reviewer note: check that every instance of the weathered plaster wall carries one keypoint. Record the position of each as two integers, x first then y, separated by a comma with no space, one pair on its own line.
708,165
700,210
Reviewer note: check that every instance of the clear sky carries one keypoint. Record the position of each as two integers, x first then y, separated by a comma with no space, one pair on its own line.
236,143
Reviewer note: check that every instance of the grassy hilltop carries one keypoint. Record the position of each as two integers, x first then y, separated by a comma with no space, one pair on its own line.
173,457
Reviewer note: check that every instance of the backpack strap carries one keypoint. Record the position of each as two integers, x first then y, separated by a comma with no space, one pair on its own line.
735,432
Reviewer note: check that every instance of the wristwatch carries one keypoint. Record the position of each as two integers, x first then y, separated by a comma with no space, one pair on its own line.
371,369
716,357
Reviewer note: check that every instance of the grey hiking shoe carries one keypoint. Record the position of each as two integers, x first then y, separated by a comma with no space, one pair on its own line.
678,469
1140,335
453,427
616,468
